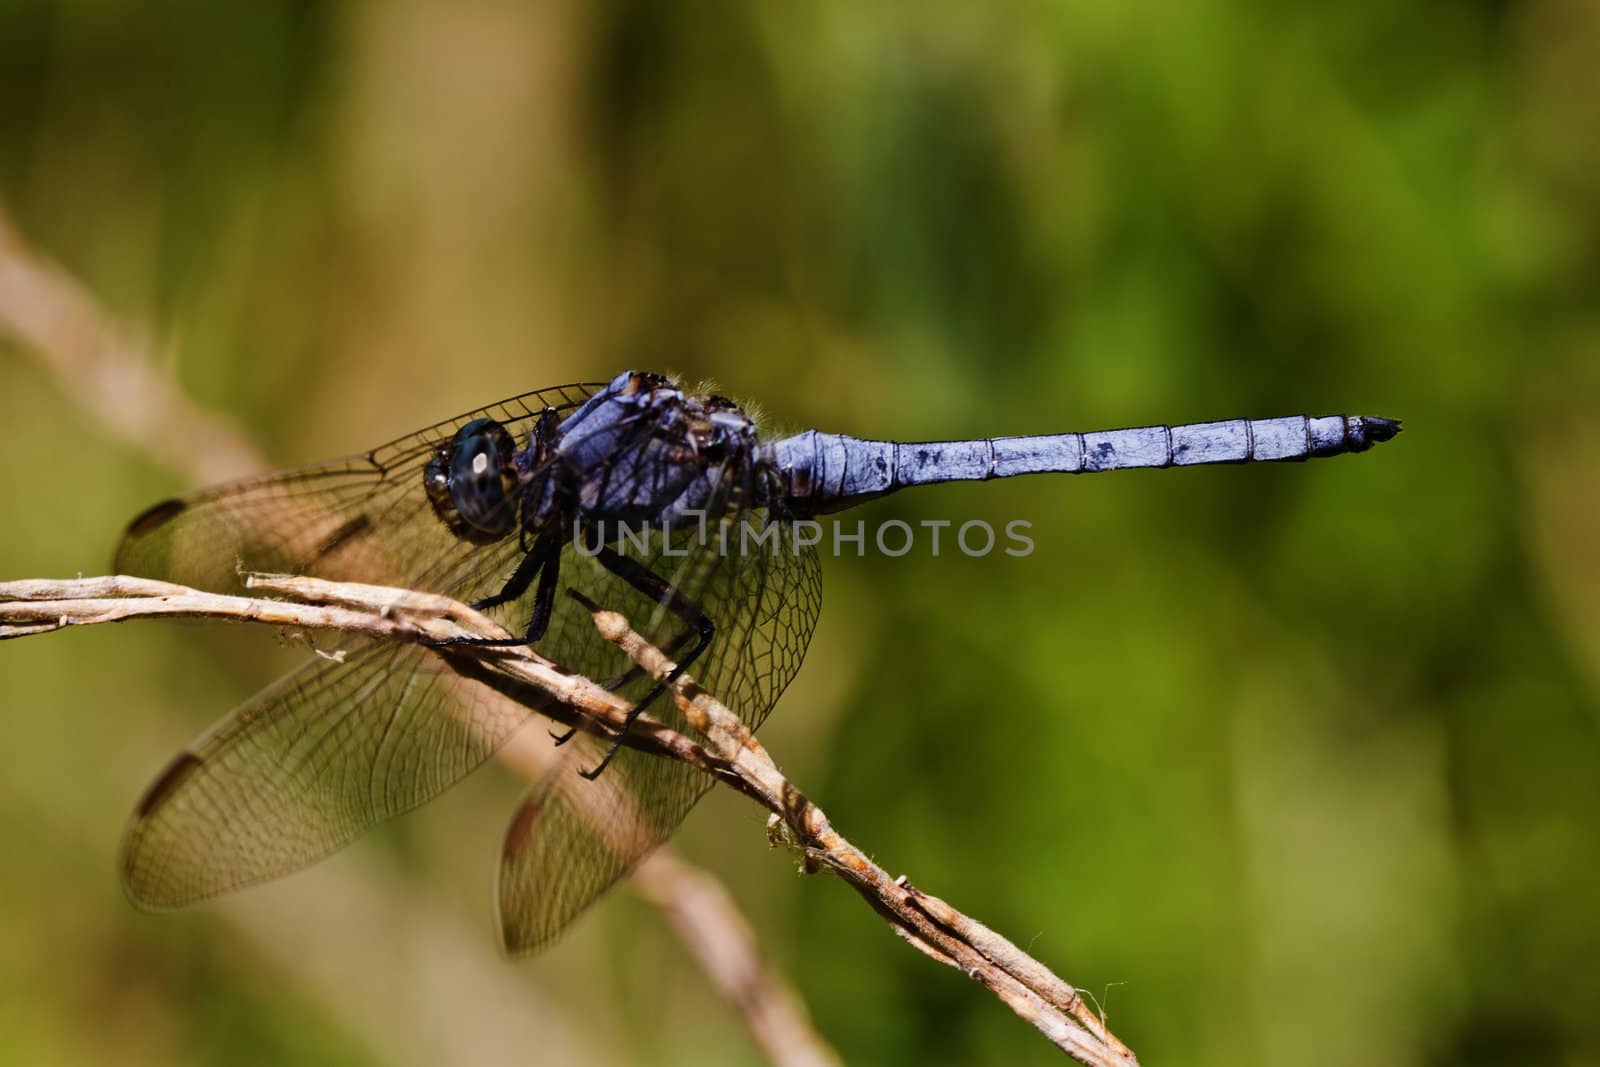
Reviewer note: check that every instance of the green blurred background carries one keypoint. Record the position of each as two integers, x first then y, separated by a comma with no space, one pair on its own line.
1290,765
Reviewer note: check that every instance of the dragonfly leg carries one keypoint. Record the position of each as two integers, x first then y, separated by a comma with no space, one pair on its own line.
544,563
654,587
674,650
518,583
544,600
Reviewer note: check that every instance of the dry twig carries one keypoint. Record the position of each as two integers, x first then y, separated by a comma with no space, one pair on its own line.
730,753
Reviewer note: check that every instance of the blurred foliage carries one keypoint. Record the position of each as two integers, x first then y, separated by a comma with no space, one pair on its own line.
1289,764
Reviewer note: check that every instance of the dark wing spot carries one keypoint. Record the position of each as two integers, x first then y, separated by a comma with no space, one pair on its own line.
177,772
356,527
522,824
154,518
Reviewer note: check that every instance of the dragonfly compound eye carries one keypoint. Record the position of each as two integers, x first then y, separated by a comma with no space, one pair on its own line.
472,482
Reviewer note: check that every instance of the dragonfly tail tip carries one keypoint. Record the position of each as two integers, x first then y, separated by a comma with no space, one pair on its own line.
1377,430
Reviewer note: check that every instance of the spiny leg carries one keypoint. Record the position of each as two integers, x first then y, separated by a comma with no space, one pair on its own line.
657,589
631,674
517,584
544,600
544,563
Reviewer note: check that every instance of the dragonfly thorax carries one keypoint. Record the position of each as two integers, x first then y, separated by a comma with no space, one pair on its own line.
643,451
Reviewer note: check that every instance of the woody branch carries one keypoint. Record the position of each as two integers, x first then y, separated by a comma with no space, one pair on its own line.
726,749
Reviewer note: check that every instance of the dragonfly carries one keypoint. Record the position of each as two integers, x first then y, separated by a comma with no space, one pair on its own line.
523,509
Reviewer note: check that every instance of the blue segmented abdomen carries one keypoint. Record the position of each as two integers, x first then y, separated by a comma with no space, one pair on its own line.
823,472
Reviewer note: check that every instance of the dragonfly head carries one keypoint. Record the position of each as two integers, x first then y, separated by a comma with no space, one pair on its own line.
472,482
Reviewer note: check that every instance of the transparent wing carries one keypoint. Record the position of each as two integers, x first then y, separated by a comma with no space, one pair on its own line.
571,839
365,518
342,743
305,767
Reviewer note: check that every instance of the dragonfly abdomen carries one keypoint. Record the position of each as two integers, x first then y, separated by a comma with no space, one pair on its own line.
826,472
1295,437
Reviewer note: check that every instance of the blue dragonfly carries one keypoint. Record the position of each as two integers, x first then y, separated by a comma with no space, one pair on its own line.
525,509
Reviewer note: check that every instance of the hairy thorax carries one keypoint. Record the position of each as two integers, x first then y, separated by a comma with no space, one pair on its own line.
644,451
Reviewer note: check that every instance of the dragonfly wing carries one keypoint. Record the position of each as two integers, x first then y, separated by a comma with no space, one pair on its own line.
345,741
365,518
572,839
307,765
